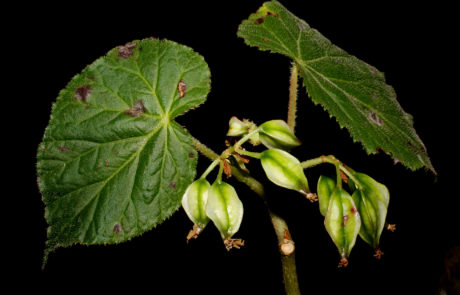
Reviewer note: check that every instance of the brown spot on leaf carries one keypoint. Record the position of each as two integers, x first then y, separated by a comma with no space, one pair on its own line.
191,155
353,210
416,149
137,109
117,228
64,148
126,51
269,13
265,40
106,162
259,21
379,149
181,87
172,184
83,92
373,116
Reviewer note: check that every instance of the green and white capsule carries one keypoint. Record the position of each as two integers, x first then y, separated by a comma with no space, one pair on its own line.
277,134
194,202
342,221
224,208
372,201
324,190
284,170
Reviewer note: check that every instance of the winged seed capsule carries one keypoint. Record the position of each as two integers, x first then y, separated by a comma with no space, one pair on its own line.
372,202
224,208
342,222
284,170
277,134
194,202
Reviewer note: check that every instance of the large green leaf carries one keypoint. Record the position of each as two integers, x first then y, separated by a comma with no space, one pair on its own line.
113,163
348,88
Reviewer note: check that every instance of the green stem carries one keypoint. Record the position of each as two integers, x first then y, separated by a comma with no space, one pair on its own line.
334,161
204,150
210,168
221,169
245,138
292,106
290,279
339,178
248,153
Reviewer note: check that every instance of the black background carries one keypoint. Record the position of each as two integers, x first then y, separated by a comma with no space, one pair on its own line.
412,45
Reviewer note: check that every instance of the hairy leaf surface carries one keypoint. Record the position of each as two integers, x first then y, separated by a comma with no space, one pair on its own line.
349,89
113,163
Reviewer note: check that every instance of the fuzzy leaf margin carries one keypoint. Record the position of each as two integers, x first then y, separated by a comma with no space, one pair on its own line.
113,163
352,91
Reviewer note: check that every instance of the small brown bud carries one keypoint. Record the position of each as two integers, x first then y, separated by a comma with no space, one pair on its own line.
391,227
378,253
312,197
233,243
343,263
193,233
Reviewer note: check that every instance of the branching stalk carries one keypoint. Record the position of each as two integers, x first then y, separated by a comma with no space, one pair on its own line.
291,283
210,168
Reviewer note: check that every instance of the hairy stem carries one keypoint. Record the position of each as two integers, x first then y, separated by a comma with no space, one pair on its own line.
292,107
204,150
291,283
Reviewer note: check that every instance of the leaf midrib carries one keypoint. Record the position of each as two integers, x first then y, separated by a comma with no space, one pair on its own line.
305,64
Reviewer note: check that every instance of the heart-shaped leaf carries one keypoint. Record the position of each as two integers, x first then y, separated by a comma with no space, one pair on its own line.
349,89
113,163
